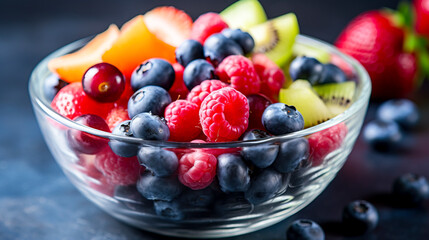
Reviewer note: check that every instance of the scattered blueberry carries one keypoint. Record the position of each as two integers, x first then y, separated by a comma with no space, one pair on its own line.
152,99
262,155
217,47
360,217
244,39
120,148
232,173
159,188
279,118
196,72
411,189
306,68
381,135
402,111
160,161
264,186
188,51
149,127
331,74
52,85
155,71
171,210
291,154
304,229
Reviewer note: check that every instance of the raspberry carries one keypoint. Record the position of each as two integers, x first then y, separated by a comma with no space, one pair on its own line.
206,25
240,72
326,141
224,115
103,186
197,170
179,89
117,170
201,91
271,76
116,116
183,120
71,102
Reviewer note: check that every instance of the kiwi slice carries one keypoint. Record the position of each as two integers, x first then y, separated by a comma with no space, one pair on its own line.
337,96
244,14
307,102
311,51
276,37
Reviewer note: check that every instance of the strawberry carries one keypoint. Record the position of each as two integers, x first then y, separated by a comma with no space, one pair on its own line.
272,77
421,10
169,24
377,44
179,89
206,25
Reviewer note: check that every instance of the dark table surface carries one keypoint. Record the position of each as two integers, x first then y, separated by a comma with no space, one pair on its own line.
38,202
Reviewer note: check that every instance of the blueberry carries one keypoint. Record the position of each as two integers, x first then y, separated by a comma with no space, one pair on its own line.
120,148
152,99
198,198
331,74
262,155
244,39
196,72
304,229
52,85
188,51
381,135
155,71
291,154
264,186
217,47
130,197
232,173
411,189
149,127
279,118
402,111
360,217
306,68
159,188
160,161
171,210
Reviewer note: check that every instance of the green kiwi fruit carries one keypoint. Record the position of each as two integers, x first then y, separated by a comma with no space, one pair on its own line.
307,102
337,96
276,37
244,14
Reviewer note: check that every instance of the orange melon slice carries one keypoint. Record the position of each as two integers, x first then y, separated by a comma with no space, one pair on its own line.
136,44
71,67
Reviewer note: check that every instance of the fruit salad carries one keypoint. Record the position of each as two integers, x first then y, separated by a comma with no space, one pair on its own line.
225,77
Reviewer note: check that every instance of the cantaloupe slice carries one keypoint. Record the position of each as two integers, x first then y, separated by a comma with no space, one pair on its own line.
136,44
71,67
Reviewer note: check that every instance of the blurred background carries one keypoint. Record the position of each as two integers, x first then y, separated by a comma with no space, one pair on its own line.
38,202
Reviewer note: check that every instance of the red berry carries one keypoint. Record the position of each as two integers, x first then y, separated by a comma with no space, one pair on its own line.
123,100
197,170
116,116
206,25
224,115
103,82
271,76
421,8
179,89
240,72
117,170
103,186
323,142
257,105
87,166
71,102
201,91
183,120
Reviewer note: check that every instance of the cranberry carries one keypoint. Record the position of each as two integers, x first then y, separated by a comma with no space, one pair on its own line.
103,82
257,105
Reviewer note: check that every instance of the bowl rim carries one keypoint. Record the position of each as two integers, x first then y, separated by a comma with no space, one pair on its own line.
359,104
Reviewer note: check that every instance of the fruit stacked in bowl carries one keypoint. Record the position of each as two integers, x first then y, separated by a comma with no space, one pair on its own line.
207,128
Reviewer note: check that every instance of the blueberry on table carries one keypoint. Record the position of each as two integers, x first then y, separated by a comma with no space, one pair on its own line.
279,118
244,39
411,189
304,229
331,74
264,186
151,99
262,155
402,111
188,51
382,135
306,68
158,160
217,47
52,85
149,127
159,188
196,72
155,71
291,154
360,217
232,173
123,149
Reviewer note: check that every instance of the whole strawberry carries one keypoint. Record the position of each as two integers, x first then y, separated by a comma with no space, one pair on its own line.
374,40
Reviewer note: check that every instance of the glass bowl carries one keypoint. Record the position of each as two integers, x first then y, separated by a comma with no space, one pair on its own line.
273,193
